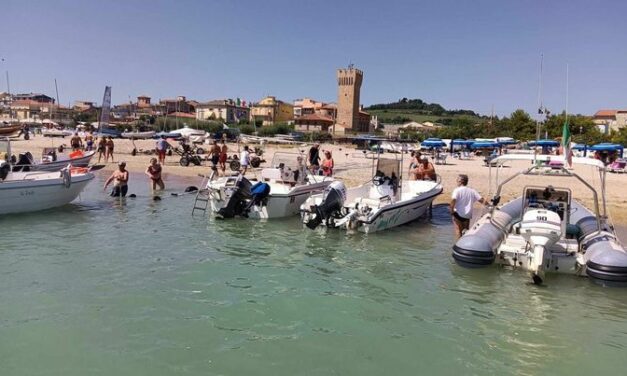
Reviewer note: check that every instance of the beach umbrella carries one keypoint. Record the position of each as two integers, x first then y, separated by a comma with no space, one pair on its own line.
606,146
432,143
484,145
507,142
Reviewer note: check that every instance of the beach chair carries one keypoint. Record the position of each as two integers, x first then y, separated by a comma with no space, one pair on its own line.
617,166
440,158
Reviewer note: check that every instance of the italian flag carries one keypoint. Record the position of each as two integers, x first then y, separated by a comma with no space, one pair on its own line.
568,157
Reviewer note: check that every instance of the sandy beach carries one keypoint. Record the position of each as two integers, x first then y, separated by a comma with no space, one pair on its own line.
354,168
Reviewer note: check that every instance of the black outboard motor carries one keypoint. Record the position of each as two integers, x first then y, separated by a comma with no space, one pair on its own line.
24,161
332,201
237,199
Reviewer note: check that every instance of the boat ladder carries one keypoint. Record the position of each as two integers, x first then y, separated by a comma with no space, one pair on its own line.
201,202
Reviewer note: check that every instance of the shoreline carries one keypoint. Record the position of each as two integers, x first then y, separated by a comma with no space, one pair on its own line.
354,169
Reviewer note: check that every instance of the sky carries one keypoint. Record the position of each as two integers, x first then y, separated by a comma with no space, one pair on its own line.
477,55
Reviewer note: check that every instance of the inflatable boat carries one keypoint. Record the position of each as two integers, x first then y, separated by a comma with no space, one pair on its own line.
545,230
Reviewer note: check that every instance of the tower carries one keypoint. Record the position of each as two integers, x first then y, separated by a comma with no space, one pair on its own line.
349,84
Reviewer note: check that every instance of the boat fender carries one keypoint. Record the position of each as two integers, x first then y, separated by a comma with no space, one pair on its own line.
132,195
191,188
4,170
156,198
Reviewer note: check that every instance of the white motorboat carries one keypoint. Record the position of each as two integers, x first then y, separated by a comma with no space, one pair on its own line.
279,191
137,135
545,230
384,202
22,192
193,135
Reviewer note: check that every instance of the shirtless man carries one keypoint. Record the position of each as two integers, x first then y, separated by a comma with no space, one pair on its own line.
120,178
425,169
76,142
215,155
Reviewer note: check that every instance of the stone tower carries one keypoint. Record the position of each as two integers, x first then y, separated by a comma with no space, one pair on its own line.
349,84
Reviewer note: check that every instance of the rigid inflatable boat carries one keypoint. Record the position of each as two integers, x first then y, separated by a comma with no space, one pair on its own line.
546,230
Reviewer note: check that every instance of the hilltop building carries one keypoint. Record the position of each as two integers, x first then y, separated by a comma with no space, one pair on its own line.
270,110
227,110
350,116
610,120
34,97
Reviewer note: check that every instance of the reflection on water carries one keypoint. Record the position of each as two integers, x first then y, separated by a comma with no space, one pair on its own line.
138,286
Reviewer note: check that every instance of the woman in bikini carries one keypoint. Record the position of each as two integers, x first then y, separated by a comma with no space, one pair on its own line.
154,173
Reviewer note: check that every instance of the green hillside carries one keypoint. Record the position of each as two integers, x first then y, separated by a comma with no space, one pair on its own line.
405,110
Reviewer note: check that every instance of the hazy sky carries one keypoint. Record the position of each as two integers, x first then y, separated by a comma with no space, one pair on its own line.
461,54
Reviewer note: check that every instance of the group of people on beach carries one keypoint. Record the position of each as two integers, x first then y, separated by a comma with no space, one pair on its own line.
104,145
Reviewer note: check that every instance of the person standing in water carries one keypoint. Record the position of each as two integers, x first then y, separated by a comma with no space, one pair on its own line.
223,156
109,149
462,200
102,147
119,178
154,173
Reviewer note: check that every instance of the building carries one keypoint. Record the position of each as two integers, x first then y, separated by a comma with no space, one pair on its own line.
313,122
226,110
270,110
35,97
610,120
83,106
33,111
350,117
180,104
143,101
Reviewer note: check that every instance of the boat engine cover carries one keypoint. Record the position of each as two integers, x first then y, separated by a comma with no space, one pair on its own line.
541,227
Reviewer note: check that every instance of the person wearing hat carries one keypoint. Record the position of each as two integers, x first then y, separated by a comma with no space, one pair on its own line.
425,169
119,178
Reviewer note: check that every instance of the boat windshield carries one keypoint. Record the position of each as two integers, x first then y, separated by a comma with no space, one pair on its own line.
292,161
388,167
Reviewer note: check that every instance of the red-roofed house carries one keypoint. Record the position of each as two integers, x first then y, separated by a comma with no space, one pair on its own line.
313,122
610,120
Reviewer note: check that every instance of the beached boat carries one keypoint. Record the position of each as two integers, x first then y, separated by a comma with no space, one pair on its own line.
54,132
139,135
545,230
22,192
8,129
53,160
278,193
384,202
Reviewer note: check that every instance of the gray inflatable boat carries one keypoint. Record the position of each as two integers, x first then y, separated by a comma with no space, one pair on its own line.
546,230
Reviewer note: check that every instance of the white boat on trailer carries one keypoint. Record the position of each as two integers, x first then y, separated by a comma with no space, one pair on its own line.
545,230
22,192
384,202
279,191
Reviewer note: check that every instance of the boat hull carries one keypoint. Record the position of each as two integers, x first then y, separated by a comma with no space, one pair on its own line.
139,135
25,195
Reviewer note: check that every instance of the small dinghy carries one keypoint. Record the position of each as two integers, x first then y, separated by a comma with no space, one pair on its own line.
545,230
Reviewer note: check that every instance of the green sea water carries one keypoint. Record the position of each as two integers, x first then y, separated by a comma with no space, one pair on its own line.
139,287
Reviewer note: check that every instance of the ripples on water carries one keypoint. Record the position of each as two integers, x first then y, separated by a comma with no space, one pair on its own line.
141,287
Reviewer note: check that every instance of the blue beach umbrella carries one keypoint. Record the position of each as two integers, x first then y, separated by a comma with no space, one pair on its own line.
606,146
484,145
432,143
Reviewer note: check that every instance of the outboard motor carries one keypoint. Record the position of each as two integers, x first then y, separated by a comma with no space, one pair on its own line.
236,196
24,160
258,192
332,201
541,229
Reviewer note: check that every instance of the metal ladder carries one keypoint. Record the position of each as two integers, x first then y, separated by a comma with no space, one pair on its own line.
201,202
